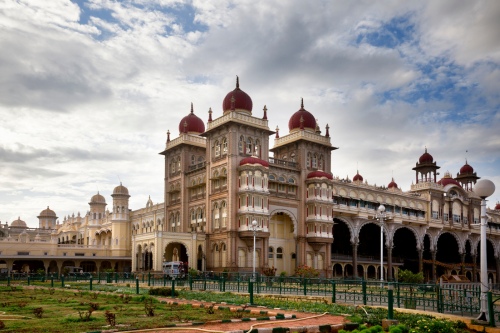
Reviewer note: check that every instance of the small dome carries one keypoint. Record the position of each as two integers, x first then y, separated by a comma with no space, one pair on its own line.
319,174
120,190
254,160
97,199
18,223
357,177
466,169
447,180
237,100
426,157
392,184
302,119
497,207
47,213
191,124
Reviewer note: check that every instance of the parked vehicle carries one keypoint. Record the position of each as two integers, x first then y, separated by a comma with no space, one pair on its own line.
174,269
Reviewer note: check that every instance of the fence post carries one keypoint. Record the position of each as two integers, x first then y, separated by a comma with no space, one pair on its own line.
398,295
190,279
204,282
116,277
363,288
440,306
173,286
28,280
149,279
62,281
137,285
250,290
90,280
223,283
491,313
305,286
51,280
334,296
390,302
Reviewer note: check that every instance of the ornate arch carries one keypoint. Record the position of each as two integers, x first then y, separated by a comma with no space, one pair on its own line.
418,238
460,242
289,214
352,228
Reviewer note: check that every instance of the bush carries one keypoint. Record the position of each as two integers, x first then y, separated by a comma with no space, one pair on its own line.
269,271
306,272
163,291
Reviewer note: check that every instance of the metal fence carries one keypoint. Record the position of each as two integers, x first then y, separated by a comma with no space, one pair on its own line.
454,298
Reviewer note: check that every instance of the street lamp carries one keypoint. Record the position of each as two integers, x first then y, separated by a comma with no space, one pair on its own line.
484,188
254,228
381,218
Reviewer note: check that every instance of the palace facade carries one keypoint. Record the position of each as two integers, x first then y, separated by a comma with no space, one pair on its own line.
221,177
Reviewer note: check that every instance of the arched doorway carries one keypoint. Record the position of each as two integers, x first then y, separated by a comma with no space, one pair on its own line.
405,249
447,253
281,240
175,252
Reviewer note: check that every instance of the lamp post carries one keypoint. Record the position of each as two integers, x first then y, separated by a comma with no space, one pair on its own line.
484,188
254,228
381,218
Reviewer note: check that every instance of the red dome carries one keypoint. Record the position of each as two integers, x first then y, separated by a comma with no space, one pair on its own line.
497,207
254,160
357,177
319,174
466,169
447,180
302,116
392,184
241,99
191,124
426,157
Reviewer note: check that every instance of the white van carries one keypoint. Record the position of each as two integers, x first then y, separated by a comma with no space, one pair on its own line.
174,269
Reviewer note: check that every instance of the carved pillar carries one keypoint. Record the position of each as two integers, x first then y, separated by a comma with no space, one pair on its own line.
433,253
497,266
389,263
474,268
328,261
355,259
420,260
462,264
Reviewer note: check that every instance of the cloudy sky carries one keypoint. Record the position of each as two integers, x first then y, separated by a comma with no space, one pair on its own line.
88,89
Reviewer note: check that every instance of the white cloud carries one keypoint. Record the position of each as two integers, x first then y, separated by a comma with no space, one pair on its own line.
93,98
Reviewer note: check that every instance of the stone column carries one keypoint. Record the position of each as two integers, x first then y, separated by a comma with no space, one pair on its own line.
497,266
433,253
462,264
355,259
389,263
420,260
474,268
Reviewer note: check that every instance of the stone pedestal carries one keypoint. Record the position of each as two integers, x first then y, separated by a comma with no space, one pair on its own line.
386,323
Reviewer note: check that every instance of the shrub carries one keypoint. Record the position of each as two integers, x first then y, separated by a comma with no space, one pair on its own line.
306,272
37,312
149,307
110,318
163,291
2,325
94,306
269,271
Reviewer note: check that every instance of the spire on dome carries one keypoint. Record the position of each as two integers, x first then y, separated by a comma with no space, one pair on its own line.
277,132
210,115
168,135
302,103
265,112
327,134
237,82
191,107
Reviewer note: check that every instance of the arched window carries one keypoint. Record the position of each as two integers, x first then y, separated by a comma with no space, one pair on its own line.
224,146
216,216
193,160
279,253
308,161
249,146
241,144
315,161
321,163
217,148
224,214
257,148
271,253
